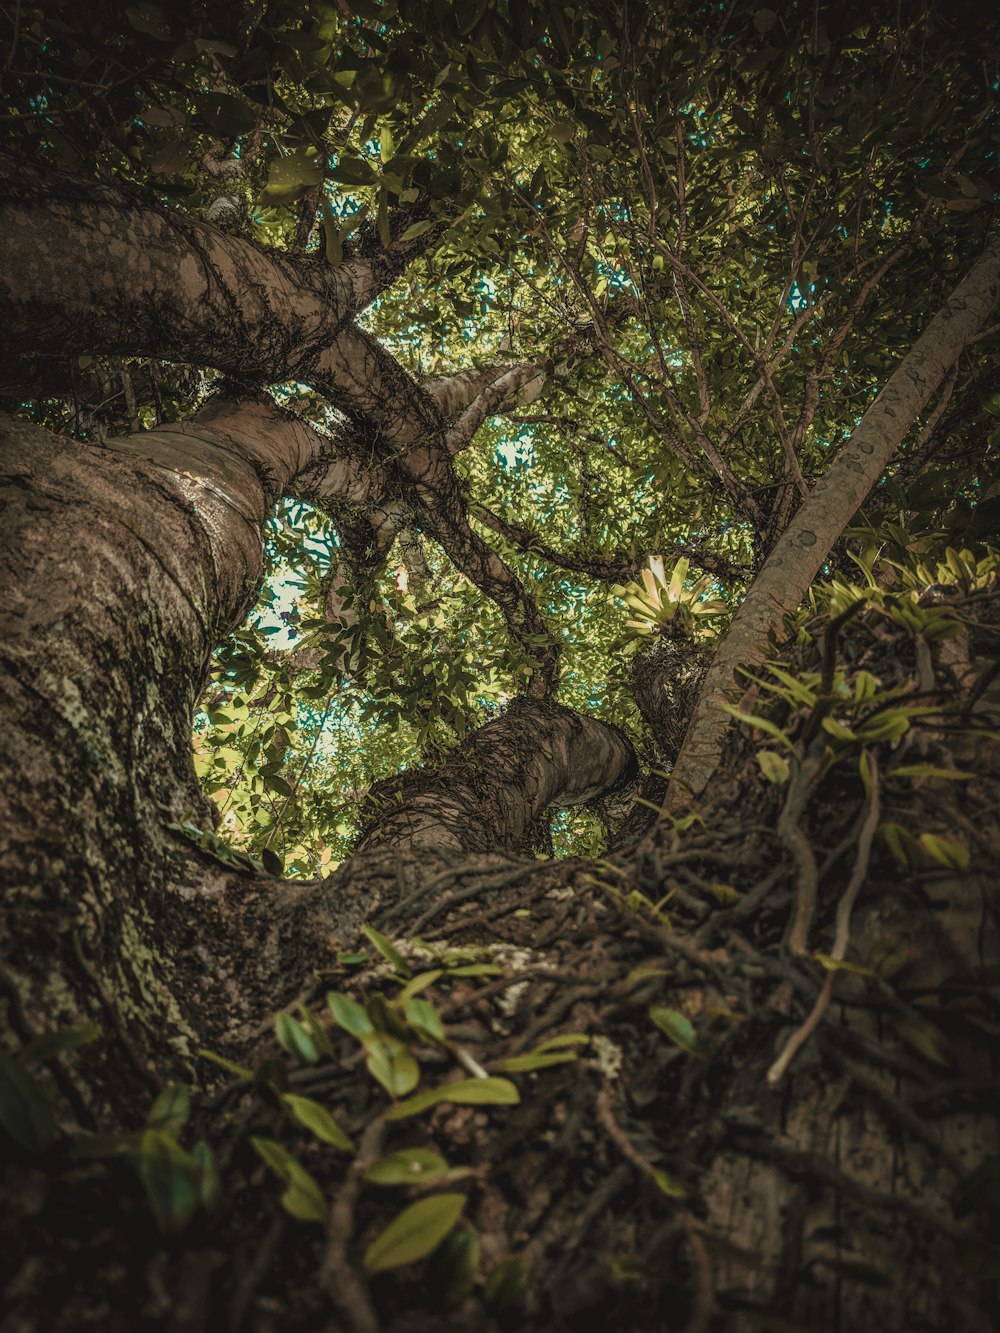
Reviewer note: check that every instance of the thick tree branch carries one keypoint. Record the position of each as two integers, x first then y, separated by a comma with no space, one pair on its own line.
490,794
92,269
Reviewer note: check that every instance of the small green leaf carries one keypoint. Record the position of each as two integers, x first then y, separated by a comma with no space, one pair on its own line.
349,1015
774,768
417,984
390,1061
423,1016
563,1039
303,1198
950,854
354,171
761,723
387,949
841,965
171,1109
230,1066
408,1166
417,1231
295,1039
524,1064
930,771
466,1092
451,1273
416,229
476,970
505,1285
317,1119
676,1026
225,115
272,862
673,1189
210,1182
171,1178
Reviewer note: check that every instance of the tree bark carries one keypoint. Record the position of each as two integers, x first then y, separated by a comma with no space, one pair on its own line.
119,903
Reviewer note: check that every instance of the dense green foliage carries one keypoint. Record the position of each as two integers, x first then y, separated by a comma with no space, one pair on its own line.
737,218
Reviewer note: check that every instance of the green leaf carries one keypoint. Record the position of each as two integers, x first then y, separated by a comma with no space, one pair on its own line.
676,1026
761,723
348,1014
303,1198
210,1182
171,1109
387,949
225,115
354,171
950,854
171,1178
391,1062
841,965
930,771
524,1064
466,1092
295,1039
230,1066
774,768
451,1272
416,229
407,1166
673,1189
418,984
506,1284
417,1231
25,1112
563,1039
423,1016
272,862
317,1119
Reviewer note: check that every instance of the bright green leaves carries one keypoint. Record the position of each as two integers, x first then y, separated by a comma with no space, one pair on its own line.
926,850
176,1183
662,600
417,1231
407,1166
318,1120
391,1063
387,949
295,1039
348,1014
302,1198
773,766
677,1026
467,1092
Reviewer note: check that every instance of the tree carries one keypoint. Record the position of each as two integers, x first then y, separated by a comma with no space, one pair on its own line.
299,290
